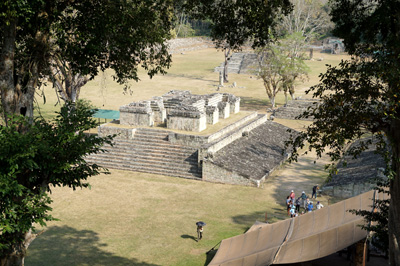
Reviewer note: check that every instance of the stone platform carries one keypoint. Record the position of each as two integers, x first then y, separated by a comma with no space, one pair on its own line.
156,136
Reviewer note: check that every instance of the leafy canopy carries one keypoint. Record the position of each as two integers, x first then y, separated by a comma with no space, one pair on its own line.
34,158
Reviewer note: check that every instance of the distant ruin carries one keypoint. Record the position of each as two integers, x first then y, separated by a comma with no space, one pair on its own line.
180,110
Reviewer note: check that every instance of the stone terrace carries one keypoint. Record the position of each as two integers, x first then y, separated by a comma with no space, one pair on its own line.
294,108
256,154
354,178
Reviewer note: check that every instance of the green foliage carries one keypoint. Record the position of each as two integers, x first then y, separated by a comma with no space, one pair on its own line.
236,22
377,219
361,95
280,64
34,158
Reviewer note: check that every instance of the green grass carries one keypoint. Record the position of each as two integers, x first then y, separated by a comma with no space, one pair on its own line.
191,71
130,218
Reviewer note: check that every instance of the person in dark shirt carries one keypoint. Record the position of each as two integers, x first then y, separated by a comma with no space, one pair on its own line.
314,191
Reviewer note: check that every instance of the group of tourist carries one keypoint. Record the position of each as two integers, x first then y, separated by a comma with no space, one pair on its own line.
293,204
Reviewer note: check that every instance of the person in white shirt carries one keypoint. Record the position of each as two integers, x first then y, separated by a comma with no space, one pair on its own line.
319,205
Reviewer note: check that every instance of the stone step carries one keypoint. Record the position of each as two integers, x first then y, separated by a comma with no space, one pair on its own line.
149,135
191,173
152,147
151,162
169,157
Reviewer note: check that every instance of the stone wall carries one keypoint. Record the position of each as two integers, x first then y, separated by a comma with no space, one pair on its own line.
355,177
224,110
215,173
206,150
137,114
122,133
180,110
187,140
346,191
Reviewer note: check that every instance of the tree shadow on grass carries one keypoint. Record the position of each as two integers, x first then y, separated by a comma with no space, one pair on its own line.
64,245
249,103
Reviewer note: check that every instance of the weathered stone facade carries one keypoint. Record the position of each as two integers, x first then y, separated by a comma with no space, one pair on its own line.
249,159
357,176
180,110
137,114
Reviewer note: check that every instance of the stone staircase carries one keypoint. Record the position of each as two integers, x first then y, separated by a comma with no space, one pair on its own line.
151,152
294,108
234,64
240,63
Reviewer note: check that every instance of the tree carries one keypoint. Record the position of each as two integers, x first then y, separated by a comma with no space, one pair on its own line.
34,158
85,36
377,220
236,22
361,95
279,65
297,69
310,18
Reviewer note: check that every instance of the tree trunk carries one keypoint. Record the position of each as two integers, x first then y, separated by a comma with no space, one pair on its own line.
394,209
272,99
17,256
8,97
66,84
17,94
291,91
227,54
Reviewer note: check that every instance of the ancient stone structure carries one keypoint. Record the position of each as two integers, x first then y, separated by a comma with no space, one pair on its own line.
240,63
294,108
357,176
244,152
180,110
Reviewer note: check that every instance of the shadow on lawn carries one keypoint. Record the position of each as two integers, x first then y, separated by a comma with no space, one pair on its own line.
188,236
249,103
64,245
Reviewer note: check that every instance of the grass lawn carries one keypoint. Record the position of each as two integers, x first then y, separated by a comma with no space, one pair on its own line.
191,71
130,218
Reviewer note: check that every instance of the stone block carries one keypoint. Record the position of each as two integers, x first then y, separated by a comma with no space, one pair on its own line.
212,114
185,120
224,110
137,114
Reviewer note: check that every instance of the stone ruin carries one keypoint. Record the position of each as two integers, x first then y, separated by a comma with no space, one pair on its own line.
180,110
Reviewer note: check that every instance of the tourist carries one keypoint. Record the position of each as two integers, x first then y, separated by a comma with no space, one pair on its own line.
310,206
314,191
288,205
199,232
292,211
292,196
304,200
298,204
319,205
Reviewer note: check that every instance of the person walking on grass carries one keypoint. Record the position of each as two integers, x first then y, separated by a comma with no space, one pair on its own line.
304,200
199,232
200,226
297,203
292,196
314,191
288,205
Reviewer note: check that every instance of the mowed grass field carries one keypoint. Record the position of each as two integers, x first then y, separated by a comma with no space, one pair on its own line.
131,218
193,71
